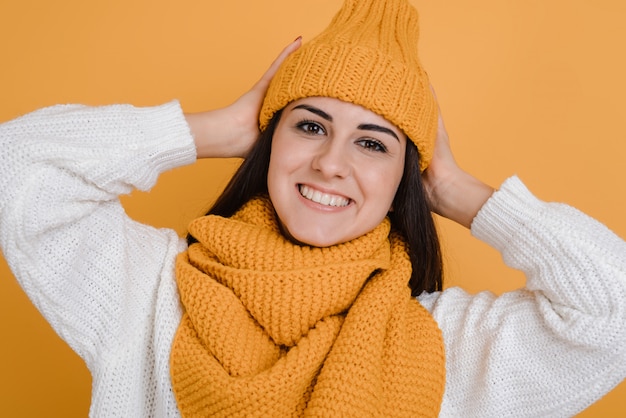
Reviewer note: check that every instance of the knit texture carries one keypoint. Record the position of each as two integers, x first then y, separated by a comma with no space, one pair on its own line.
106,283
276,329
367,56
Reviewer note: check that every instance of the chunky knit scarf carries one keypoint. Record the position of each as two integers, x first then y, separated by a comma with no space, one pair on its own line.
274,329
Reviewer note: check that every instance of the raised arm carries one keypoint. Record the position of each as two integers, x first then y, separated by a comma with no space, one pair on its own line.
63,230
103,281
551,348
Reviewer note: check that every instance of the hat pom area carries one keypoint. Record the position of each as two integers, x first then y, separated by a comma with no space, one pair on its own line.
367,56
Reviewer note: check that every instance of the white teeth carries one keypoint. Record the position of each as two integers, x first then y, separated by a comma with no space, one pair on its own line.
323,198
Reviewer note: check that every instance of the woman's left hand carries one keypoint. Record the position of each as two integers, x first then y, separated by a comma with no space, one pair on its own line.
453,193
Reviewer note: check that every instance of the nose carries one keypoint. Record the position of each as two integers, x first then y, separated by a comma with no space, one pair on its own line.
332,159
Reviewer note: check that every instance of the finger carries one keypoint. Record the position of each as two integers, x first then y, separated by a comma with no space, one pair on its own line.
441,127
432,89
271,71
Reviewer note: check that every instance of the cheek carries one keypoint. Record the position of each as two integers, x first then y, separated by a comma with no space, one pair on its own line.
285,160
384,183
273,174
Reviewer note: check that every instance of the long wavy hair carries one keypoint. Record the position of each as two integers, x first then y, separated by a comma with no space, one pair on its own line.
411,216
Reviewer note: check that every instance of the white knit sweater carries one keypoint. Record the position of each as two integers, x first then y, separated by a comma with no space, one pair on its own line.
106,283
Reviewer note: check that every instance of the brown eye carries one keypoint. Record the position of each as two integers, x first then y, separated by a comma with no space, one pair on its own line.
311,128
372,145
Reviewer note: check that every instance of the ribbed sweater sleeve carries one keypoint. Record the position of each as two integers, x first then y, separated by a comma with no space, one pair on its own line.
96,275
553,347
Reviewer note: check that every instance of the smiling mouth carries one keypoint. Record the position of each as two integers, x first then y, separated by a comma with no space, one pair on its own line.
322,198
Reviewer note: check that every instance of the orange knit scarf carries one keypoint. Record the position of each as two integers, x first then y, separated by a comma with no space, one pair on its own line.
273,329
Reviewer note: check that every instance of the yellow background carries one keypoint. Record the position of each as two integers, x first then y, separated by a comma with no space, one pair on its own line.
531,87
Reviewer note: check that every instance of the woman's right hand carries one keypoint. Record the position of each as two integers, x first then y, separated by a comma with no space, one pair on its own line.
452,192
231,131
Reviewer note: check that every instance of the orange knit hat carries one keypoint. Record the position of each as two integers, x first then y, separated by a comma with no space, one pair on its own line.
367,56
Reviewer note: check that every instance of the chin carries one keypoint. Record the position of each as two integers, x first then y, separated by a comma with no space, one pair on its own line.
311,241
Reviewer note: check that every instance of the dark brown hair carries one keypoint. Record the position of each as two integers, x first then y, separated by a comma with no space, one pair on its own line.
411,216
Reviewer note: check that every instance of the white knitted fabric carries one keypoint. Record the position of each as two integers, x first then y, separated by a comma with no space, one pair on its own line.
106,283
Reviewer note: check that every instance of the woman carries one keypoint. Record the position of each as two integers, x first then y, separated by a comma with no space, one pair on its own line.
328,155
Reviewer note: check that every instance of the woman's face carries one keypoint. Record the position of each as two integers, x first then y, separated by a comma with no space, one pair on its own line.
334,170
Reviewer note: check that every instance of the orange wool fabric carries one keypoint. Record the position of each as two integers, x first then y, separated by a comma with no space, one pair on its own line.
276,329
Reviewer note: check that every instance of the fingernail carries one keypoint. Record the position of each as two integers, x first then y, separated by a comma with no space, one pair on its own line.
298,38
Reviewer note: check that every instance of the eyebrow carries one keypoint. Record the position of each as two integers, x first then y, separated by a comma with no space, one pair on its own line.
363,126
377,128
318,112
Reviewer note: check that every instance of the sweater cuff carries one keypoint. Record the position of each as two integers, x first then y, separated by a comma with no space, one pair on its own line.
175,147
505,213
